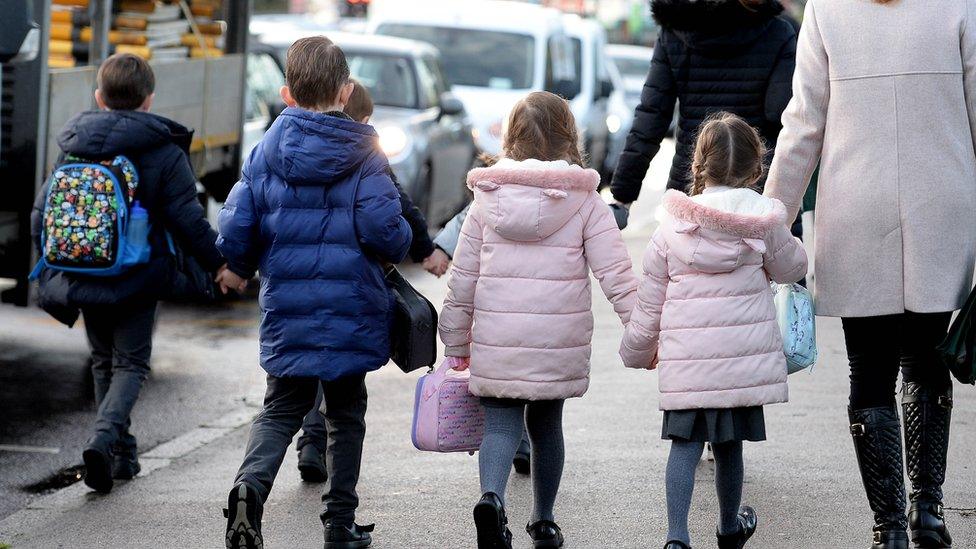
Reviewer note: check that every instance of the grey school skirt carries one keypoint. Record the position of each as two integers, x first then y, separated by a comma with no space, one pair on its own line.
715,424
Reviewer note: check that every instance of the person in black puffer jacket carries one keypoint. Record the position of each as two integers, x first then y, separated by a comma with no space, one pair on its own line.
711,55
120,311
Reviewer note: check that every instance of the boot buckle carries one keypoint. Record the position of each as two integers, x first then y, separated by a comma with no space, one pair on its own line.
858,429
945,401
877,537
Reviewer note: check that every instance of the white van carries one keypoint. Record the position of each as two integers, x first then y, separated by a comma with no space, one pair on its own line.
590,96
493,52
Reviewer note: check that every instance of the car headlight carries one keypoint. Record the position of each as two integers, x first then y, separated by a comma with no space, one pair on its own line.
613,123
393,140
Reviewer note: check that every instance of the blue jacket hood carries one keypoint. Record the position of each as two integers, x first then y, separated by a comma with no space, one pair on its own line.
306,148
103,134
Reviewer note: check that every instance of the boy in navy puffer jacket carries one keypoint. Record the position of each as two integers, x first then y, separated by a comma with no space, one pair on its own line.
316,214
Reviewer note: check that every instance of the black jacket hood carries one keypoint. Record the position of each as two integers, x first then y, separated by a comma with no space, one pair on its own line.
715,24
104,134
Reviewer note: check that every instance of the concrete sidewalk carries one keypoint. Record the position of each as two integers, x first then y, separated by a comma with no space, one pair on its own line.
803,481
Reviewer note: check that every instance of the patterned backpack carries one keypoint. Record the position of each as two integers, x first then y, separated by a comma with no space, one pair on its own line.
92,223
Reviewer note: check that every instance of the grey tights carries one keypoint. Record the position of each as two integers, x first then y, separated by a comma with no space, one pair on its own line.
680,484
504,421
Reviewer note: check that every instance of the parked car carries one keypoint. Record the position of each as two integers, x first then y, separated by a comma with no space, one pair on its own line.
628,67
423,128
590,102
493,53
262,99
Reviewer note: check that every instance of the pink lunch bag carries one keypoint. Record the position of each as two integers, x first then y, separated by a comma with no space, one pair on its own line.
446,417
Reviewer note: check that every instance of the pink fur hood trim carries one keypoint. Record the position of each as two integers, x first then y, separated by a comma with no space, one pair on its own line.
558,175
683,207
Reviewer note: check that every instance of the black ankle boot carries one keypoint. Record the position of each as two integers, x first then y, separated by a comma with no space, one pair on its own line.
545,533
748,521
347,536
927,416
492,524
311,466
98,458
877,444
125,466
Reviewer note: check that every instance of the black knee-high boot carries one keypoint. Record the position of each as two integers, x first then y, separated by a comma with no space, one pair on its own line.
877,444
927,413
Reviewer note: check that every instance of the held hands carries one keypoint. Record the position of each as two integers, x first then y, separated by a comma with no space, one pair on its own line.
227,280
437,263
459,363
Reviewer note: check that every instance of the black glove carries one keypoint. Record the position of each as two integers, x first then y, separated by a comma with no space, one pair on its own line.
621,214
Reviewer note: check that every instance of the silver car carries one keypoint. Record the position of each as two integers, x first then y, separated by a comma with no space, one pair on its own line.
423,128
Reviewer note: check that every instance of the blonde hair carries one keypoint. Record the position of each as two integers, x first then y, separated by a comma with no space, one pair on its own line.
728,151
542,127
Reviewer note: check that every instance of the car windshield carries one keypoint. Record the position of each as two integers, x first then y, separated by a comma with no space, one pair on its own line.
631,67
389,79
472,57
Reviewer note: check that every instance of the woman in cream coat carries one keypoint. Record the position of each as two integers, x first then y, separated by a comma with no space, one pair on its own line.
885,97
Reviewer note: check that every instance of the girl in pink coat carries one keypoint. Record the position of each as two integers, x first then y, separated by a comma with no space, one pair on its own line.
705,318
519,311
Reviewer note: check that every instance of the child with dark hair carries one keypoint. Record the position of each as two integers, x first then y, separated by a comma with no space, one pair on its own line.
120,310
315,212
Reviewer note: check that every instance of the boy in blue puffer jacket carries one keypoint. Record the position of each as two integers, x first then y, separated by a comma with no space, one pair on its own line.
316,214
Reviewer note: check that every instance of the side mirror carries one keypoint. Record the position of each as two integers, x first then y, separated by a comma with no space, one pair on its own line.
606,89
450,105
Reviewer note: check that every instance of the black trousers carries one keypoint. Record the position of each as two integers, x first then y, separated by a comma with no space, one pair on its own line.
120,339
286,402
878,345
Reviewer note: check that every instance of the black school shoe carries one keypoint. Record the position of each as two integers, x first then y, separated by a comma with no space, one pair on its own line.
347,536
545,533
675,544
98,468
125,467
748,521
492,524
310,464
243,513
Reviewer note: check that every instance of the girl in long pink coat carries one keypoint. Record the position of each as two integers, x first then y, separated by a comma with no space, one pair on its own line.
705,318
519,308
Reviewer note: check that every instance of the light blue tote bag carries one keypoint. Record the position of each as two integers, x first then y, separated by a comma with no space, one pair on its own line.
797,324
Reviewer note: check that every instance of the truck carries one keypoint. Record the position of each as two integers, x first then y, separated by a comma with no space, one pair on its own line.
203,93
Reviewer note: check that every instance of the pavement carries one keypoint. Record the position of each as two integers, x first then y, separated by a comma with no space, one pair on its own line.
206,385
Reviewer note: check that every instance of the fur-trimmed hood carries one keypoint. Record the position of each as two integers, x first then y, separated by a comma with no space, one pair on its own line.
529,200
713,231
715,24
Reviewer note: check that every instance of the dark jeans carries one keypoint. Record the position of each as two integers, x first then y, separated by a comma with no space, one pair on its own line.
286,402
120,339
313,427
878,345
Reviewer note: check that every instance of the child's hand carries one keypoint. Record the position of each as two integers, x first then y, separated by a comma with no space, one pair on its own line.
437,263
227,280
460,363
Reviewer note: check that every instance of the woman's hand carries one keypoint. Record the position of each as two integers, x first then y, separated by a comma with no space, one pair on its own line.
459,363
